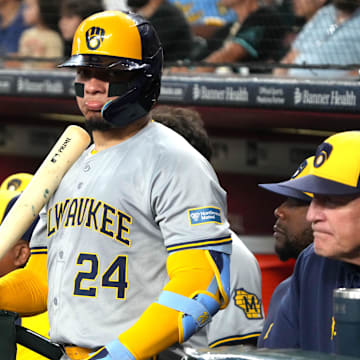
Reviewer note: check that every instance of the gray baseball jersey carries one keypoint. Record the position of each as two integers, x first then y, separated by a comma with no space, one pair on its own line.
243,318
111,224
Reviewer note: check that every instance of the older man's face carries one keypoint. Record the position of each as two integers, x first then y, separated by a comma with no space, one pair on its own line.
336,226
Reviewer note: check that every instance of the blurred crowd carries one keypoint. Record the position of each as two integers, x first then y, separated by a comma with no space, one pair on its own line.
282,37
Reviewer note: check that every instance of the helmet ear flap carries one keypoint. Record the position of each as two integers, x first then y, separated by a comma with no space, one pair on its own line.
144,90
151,86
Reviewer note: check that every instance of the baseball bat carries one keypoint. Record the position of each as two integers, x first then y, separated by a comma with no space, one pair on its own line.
64,153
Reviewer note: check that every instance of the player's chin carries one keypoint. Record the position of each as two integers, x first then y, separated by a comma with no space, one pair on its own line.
97,123
323,248
280,239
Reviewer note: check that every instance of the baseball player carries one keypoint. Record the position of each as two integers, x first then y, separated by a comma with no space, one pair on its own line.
131,253
242,321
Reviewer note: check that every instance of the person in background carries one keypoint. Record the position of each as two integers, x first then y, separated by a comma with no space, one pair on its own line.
12,25
295,14
18,255
330,37
242,320
72,13
171,25
256,36
305,315
115,5
206,16
292,233
42,40
307,9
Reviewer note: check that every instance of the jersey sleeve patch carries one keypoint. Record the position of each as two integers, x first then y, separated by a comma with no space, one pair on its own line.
205,215
38,250
249,303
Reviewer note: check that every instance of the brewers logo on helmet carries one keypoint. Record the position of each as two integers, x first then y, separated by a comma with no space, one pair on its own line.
121,41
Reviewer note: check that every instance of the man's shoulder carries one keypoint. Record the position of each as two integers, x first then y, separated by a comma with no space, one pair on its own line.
281,288
279,293
165,144
326,10
159,135
240,250
324,15
243,261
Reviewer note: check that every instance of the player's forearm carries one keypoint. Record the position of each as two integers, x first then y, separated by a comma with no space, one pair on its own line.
156,330
161,326
25,290
231,52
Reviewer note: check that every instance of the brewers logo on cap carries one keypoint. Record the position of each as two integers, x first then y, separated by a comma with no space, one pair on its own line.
301,169
280,188
336,169
322,154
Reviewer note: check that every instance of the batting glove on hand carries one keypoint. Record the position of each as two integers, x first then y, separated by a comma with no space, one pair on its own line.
112,351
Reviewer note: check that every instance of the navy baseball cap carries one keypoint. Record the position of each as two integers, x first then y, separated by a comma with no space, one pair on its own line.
7,201
280,187
336,167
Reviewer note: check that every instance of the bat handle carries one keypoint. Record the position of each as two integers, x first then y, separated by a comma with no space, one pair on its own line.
39,344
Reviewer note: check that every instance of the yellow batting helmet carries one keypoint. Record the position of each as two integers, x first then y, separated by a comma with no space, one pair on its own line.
121,41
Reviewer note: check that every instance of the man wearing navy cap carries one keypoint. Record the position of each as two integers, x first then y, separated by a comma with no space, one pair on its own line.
292,233
305,314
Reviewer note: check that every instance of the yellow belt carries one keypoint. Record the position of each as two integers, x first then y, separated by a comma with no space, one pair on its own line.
77,352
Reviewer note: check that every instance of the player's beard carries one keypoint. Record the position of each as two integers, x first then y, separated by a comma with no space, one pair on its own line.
95,123
293,245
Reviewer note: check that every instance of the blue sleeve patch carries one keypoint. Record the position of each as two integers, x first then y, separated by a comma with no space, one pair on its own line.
204,215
